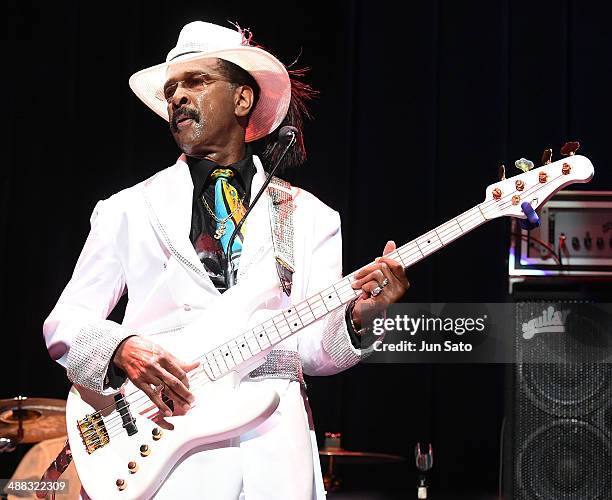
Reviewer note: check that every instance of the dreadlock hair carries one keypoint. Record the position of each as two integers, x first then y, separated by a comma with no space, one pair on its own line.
298,111
267,147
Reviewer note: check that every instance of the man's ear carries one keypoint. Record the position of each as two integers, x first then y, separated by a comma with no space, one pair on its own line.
243,99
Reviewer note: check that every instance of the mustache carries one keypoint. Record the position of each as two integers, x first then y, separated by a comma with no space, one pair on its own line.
183,113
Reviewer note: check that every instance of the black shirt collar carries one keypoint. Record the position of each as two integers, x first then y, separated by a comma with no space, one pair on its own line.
200,170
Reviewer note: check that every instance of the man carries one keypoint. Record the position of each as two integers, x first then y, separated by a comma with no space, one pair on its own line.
167,241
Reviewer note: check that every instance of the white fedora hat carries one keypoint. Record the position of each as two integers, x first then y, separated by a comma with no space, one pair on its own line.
198,40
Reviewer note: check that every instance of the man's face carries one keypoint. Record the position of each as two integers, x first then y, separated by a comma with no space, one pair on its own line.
201,106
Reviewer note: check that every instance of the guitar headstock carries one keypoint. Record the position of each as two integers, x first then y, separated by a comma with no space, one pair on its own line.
535,186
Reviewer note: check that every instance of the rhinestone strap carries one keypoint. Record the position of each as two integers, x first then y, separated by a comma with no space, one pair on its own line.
281,363
281,221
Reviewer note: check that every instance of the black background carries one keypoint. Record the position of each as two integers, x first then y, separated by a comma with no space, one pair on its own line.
418,107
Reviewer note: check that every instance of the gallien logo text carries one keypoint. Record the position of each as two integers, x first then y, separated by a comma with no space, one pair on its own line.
550,321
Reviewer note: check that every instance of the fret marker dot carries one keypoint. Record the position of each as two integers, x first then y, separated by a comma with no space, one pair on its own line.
294,324
329,297
227,353
242,345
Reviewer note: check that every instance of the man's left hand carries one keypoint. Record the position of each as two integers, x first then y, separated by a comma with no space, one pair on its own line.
386,276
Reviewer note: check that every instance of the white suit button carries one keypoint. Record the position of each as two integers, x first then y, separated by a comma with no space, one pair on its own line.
187,307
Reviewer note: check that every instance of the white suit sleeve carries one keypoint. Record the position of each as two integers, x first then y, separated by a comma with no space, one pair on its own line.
77,333
325,346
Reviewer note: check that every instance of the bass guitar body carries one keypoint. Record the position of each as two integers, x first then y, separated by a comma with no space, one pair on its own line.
134,466
124,448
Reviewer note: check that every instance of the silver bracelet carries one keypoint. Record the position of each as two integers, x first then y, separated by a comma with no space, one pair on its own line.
361,331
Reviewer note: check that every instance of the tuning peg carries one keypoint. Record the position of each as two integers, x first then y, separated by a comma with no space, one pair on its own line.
547,156
502,172
570,148
524,164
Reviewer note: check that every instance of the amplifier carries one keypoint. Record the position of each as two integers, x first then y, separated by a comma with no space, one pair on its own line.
574,238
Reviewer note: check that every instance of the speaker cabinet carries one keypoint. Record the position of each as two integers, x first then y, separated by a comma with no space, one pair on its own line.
558,417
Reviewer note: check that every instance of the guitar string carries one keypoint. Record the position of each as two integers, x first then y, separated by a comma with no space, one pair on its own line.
415,250
534,188
203,372
408,253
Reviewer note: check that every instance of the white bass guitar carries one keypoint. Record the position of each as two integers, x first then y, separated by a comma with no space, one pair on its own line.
120,449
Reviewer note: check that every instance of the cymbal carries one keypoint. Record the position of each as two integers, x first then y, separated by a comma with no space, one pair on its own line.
42,418
340,455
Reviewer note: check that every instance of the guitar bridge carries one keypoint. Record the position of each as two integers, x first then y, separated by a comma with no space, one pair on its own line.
93,432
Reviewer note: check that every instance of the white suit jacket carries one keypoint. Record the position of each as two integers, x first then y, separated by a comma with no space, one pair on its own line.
139,242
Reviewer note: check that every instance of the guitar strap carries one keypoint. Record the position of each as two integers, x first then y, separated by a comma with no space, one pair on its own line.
281,210
56,469
281,363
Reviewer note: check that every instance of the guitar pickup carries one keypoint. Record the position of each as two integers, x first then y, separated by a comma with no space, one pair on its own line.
123,407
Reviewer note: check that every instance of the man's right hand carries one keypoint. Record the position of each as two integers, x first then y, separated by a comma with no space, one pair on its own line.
149,366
